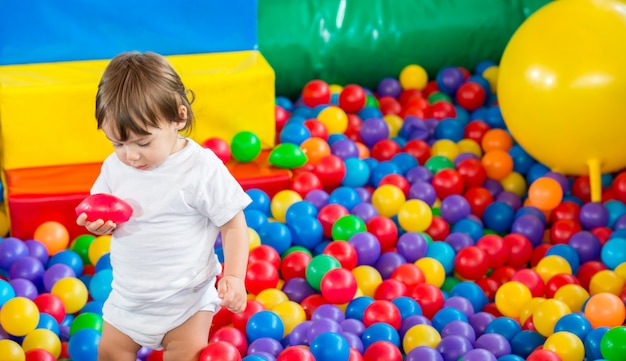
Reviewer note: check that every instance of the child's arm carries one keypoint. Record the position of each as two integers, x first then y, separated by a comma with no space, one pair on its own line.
98,227
231,287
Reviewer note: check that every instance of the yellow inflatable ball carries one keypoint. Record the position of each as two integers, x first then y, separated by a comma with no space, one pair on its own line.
11,351
561,82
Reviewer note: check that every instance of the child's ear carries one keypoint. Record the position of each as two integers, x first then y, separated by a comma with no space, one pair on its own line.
182,112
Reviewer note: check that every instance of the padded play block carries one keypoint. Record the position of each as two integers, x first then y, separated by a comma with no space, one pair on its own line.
37,195
44,31
47,110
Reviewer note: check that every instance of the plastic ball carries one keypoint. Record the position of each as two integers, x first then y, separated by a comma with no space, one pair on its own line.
605,309
472,263
334,118
511,297
11,350
19,316
220,147
420,335
545,193
316,92
53,235
414,215
547,313
338,286
245,146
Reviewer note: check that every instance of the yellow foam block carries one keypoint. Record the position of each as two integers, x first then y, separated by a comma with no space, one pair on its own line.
47,110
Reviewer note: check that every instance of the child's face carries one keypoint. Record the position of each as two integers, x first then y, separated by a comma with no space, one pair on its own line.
147,152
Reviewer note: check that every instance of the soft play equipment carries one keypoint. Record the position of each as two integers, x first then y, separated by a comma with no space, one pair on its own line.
364,41
561,87
49,73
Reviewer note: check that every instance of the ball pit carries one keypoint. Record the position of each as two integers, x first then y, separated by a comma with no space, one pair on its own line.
415,227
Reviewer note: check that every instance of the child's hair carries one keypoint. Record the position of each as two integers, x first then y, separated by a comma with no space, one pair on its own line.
139,90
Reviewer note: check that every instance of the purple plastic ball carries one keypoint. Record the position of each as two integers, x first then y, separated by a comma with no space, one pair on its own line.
55,273
418,174
319,198
414,128
265,344
352,325
11,249
587,245
480,321
460,303
411,321
344,149
479,354
449,79
367,248
412,246
373,130
454,347
459,328
530,226
423,191
494,343
24,288
365,211
593,215
423,353
459,240
510,198
298,335
454,208
29,268
320,326
297,289
328,311
493,186
388,262
389,87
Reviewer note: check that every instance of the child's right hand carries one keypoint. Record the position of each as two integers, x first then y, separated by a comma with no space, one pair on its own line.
98,227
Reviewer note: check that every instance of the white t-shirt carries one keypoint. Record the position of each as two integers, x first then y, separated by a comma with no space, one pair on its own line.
168,243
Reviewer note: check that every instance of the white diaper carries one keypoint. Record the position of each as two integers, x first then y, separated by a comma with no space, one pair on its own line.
148,323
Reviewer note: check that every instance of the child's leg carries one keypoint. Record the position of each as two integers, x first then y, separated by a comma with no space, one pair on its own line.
116,346
186,342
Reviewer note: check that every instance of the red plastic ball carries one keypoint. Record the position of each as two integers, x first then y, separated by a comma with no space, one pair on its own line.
311,303
539,253
260,275
294,265
429,297
240,320
397,180
382,351
409,274
478,198
558,281
353,131
471,96
602,233
503,274
304,182
264,252
492,309
447,182
496,248
441,110
532,280
475,130
220,350
565,211
562,230
472,172
587,270
52,305
410,94
338,286
390,289
581,188
419,149
330,170
220,147
389,105
430,88
221,318
282,116
355,355
39,354
489,287
316,128
384,150
520,249
439,228
619,186
155,355
329,214
385,230
352,98
295,353
382,311
316,92
543,355
344,252
232,336
471,263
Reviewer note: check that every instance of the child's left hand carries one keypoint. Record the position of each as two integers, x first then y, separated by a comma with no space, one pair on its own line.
232,291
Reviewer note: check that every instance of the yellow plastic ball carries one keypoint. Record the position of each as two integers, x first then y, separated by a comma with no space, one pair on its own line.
11,351
551,266
367,279
395,124
606,281
334,118
420,335
415,215
254,240
567,345
492,75
335,88
291,313
42,338
413,77
387,199
515,183
446,148
281,202
98,248
72,292
19,316
528,308
470,146
271,297
547,313
433,271
574,296
511,297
